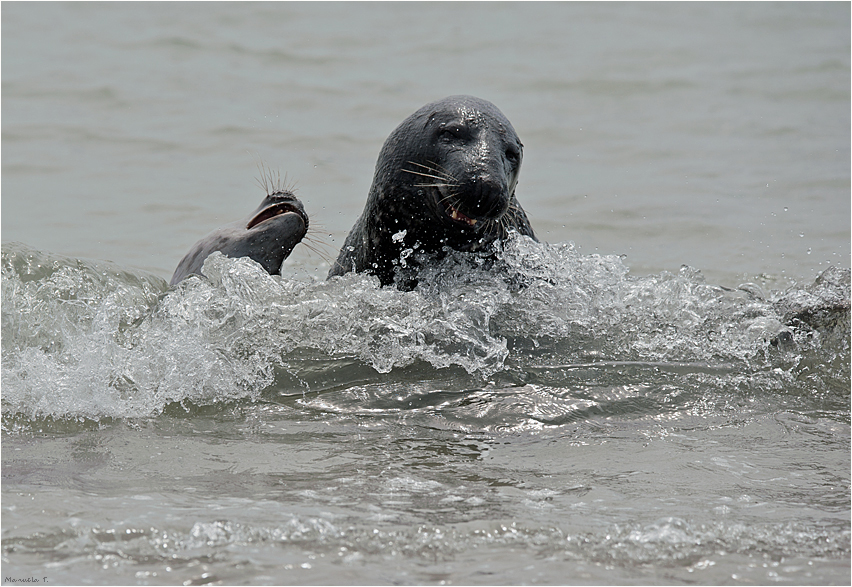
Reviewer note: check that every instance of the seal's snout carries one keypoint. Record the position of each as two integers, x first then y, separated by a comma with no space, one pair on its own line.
489,196
276,204
480,198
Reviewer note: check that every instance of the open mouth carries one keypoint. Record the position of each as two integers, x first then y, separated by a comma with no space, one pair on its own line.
276,210
458,216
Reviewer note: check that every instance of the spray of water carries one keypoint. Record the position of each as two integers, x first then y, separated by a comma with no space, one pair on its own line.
92,340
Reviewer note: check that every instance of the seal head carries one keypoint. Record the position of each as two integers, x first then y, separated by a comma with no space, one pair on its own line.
267,236
445,177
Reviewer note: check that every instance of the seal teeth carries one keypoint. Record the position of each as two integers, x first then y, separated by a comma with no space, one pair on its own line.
456,215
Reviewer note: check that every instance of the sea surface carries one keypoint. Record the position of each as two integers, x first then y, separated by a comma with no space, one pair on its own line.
658,392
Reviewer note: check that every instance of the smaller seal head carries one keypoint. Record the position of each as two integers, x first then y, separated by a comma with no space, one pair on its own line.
267,236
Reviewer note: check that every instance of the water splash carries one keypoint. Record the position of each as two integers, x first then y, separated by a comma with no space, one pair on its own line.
88,339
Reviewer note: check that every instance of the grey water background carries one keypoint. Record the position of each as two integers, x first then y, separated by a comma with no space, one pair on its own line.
184,450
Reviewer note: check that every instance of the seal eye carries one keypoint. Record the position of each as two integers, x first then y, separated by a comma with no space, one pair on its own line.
452,132
513,154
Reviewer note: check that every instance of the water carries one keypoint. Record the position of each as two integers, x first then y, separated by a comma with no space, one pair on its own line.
592,412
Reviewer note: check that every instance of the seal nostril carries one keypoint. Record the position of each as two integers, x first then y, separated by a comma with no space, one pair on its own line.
488,197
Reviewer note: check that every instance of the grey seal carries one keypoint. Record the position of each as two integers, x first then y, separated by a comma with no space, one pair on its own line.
445,177
267,236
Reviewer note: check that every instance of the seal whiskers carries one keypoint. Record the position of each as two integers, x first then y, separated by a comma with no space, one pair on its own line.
271,182
437,174
314,242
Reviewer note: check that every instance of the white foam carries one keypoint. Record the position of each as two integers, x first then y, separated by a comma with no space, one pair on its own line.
92,340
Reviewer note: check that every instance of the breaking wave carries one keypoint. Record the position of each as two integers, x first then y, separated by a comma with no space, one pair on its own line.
91,340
